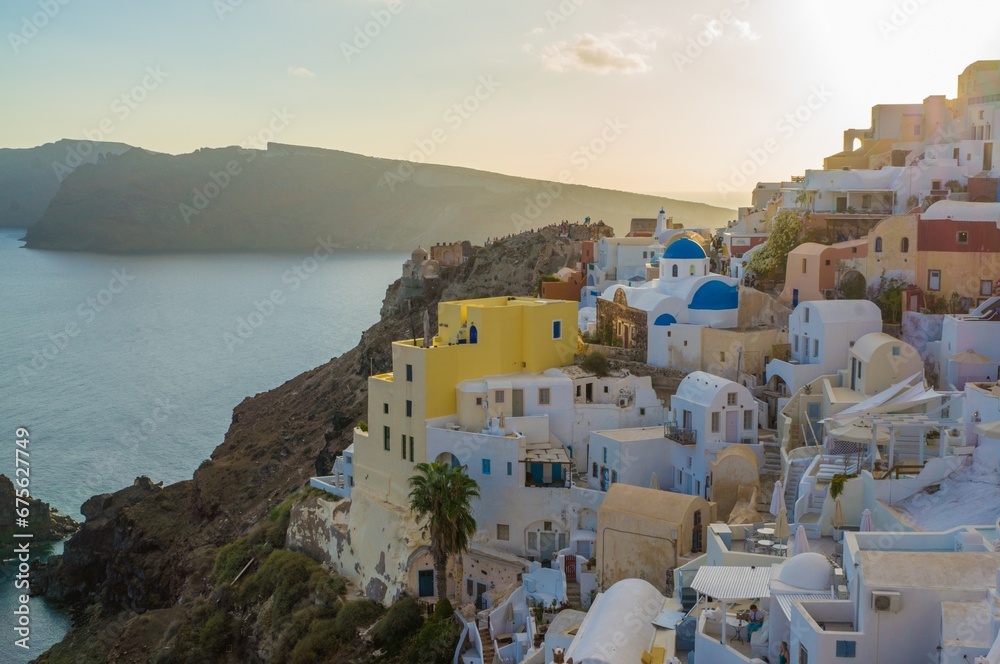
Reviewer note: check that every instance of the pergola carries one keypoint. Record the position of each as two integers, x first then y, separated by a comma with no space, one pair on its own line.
732,584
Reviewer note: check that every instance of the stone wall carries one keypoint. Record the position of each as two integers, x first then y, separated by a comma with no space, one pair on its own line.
610,314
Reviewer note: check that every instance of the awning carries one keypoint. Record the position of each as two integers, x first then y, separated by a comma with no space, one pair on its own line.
545,453
989,429
732,583
785,600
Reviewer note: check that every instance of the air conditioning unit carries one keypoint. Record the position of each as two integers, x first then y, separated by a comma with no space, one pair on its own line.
886,601
622,402
829,293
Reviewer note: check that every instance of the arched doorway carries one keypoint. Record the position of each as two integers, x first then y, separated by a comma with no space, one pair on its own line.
448,458
473,334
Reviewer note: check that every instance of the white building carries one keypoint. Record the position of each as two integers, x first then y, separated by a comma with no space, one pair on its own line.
629,456
969,349
820,334
707,414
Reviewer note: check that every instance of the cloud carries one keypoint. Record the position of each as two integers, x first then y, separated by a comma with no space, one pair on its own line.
732,26
620,52
301,72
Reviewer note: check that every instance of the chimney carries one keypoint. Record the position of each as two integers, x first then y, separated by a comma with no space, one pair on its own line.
557,656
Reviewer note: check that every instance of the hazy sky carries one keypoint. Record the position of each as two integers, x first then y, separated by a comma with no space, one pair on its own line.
670,96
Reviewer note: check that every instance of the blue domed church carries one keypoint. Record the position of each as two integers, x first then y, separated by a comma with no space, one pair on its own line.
665,316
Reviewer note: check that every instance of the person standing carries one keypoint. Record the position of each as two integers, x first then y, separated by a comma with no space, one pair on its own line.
783,653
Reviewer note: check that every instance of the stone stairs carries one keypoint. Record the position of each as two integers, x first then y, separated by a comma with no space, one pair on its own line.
770,473
487,641
573,595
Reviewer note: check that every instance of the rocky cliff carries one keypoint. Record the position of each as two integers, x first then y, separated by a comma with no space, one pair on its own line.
44,522
146,552
287,197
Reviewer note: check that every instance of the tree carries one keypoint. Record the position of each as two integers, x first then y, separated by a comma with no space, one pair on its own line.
444,494
786,227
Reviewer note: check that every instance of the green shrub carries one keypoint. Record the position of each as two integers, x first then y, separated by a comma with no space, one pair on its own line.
596,363
232,558
401,622
278,528
443,610
435,642
354,615
297,626
216,633
317,645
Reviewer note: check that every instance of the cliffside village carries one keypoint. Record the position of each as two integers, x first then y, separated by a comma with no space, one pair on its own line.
795,464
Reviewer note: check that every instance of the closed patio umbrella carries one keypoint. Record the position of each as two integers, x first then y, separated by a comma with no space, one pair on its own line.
777,499
838,520
781,531
801,541
654,482
508,616
866,522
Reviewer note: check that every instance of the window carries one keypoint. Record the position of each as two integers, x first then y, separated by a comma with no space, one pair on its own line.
795,341
593,469
673,270
827,262
503,532
955,154
748,419
614,476
935,184
385,438
510,468
385,408
479,401
866,202
815,347
409,373
895,351
544,395
934,280
645,254
904,245
805,314
846,648
715,423
731,399
403,445
642,411
578,390
409,408
805,263
691,270
547,526
606,389
411,449
962,237
985,287
533,540
878,245
803,655
486,466
605,458
498,397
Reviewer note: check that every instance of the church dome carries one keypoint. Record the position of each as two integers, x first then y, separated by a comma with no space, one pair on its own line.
808,571
684,249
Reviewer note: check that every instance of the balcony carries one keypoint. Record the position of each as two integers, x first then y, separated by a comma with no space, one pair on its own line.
681,435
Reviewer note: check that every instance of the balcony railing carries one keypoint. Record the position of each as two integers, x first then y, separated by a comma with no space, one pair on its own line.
681,435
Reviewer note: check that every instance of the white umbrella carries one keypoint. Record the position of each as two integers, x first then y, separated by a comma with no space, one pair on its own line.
654,482
777,499
838,520
866,522
781,531
801,542
508,615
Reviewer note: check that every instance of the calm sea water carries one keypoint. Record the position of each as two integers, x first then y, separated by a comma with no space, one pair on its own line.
122,366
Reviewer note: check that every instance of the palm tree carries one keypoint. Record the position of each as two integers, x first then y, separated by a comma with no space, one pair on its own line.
444,493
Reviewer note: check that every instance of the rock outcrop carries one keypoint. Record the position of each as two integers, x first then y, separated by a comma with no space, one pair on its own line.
44,522
147,548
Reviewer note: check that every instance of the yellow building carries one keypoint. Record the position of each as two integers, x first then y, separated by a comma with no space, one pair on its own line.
476,338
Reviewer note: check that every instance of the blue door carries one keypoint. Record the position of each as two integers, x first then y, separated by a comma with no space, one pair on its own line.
473,335
605,479
425,583
556,472
537,473
795,297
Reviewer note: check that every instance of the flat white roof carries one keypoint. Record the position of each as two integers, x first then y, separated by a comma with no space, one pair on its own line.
954,570
633,434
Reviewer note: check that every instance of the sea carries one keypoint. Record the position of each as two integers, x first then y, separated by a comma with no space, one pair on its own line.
118,366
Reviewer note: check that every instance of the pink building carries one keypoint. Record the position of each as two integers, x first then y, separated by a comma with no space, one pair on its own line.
811,273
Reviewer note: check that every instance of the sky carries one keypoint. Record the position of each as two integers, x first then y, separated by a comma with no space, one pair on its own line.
701,98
